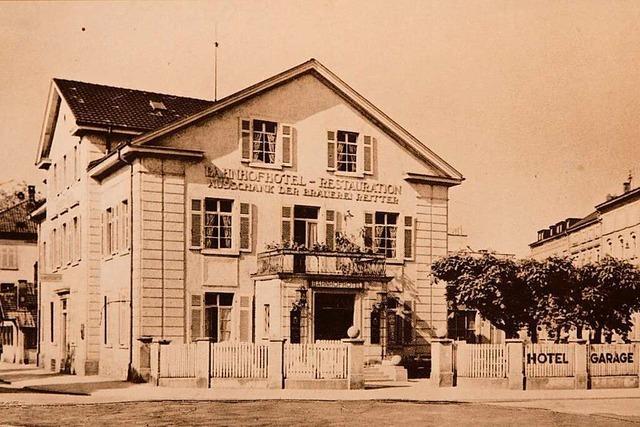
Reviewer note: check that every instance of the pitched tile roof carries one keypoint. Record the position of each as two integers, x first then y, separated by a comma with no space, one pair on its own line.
100,105
15,220
26,313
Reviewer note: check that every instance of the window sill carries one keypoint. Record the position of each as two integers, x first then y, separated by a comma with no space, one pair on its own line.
349,174
265,165
391,261
220,252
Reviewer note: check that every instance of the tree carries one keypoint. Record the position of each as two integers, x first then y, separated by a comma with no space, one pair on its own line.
609,294
552,293
489,285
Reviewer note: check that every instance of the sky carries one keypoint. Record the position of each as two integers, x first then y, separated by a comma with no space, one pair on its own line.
537,103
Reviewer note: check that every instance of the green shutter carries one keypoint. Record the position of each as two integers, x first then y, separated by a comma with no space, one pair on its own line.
330,226
368,154
331,150
287,144
408,237
368,230
196,316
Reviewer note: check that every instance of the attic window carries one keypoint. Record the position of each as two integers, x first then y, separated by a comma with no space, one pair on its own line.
157,105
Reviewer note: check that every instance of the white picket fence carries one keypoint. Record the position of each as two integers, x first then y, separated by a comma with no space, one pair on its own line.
316,361
239,360
481,360
607,360
178,360
549,360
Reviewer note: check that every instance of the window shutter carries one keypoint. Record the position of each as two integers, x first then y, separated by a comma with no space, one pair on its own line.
330,226
408,237
287,144
368,154
245,139
368,230
331,150
245,318
245,227
196,223
287,222
196,316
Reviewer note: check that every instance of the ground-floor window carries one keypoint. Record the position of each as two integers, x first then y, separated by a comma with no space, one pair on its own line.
6,335
461,325
217,308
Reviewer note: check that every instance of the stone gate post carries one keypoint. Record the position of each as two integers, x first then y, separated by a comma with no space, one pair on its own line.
203,362
442,362
355,368
275,367
515,358
581,378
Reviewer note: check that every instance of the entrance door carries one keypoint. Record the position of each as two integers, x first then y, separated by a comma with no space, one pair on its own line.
333,315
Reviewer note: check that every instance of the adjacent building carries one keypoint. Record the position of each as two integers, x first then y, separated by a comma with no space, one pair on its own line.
610,230
292,209
18,298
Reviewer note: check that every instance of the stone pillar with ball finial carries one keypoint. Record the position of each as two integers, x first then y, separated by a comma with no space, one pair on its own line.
355,351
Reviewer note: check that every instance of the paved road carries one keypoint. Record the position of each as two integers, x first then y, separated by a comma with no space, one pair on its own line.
325,413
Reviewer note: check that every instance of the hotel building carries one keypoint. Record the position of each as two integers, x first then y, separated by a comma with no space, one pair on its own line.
292,209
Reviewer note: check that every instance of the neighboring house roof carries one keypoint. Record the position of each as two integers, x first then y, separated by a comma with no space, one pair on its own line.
15,221
587,220
24,318
101,105
25,313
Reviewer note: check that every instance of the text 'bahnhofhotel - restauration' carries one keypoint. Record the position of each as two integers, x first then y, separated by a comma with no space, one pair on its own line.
291,209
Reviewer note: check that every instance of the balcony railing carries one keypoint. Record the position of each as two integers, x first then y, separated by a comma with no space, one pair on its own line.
289,261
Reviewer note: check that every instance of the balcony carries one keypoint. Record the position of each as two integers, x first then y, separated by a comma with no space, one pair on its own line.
343,264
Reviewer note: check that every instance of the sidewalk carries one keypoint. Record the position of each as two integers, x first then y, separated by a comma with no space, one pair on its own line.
36,387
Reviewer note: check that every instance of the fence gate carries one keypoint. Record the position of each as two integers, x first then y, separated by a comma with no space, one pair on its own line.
239,360
316,361
481,360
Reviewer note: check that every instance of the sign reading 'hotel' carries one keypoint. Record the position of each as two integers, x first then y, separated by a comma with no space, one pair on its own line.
297,185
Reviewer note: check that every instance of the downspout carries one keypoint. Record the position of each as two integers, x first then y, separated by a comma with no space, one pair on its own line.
130,365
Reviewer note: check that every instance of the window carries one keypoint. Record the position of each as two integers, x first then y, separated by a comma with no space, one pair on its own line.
217,223
76,240
9,258
55,178
123,320
461,325
65,174
305,225
108,232
51,320
105,309
385,232
124,224
266,320
218,315
44,257
75,163
67,244
264,141
347,148
54,249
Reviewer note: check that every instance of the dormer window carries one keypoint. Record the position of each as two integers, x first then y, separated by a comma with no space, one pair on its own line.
157,105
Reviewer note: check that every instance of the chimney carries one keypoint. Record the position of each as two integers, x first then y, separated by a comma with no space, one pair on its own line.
31,189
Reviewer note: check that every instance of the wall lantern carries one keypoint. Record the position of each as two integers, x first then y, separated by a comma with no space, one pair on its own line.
302,297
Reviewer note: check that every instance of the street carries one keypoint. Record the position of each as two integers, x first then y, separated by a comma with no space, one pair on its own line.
294,413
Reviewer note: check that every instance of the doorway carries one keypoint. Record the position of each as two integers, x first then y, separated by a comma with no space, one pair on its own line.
333,315
305,225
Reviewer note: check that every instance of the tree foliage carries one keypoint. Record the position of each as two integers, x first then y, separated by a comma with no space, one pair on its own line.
552,294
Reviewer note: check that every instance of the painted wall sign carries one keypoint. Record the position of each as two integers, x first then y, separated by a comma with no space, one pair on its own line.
297,185
336,284
547,358
607,357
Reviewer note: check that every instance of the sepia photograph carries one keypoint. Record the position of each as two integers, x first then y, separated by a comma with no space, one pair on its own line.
320,213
